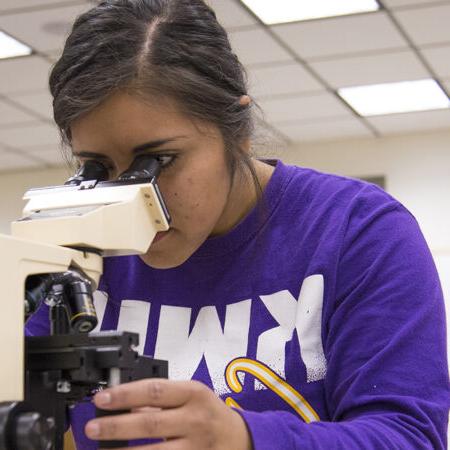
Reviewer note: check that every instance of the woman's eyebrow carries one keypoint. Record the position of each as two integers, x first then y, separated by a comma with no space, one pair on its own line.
155,144
83,154
151,145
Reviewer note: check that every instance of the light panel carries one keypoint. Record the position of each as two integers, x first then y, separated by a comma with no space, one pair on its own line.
391,98
10,47
282,11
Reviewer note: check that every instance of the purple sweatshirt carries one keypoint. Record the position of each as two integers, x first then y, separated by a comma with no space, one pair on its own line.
320,317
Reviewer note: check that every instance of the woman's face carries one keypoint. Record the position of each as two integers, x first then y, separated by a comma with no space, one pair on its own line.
195,180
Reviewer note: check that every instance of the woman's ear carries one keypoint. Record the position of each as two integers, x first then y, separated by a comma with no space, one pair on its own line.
245,100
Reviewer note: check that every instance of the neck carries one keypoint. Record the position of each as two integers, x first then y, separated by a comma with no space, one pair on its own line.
243,196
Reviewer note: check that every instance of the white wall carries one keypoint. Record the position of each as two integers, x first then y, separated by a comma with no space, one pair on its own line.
14,184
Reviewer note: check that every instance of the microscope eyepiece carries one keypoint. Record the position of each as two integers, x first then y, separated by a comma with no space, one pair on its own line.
90,170
143,167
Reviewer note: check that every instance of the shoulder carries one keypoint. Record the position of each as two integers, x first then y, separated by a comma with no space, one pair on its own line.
316,193
334,214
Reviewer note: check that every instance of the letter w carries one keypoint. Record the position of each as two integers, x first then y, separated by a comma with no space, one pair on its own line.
185,351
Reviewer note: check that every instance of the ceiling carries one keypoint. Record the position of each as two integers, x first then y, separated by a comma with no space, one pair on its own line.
294,70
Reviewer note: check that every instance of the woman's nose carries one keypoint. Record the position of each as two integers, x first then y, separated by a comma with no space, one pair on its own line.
121,168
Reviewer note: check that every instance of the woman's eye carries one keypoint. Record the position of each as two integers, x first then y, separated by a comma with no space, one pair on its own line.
165,160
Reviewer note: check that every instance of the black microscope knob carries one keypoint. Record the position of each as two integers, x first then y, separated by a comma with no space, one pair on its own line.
34,432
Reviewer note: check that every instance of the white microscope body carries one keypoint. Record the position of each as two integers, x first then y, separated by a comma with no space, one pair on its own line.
70,227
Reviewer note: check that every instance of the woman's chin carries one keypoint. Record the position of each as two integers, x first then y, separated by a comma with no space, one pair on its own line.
170,250
161,256
161,236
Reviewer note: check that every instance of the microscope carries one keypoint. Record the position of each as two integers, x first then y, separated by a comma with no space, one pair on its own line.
54,256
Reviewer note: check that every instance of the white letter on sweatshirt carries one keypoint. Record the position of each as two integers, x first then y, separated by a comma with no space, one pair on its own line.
185,351
100,299
134,316
306,317
309,327
271,344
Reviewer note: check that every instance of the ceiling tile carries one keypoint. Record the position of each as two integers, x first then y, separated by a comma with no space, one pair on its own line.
291,78
372,69
15,74
257,46
439,60
402,3
31,27
9,115
29,136
411,122
231,15
340,36
303,108
426,25
325,130
39,102
15,161
8,5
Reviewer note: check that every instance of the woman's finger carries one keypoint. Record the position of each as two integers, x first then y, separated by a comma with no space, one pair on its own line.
154,392
144,409
169,423
174,444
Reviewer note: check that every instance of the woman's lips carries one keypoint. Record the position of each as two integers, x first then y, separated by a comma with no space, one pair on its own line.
160,235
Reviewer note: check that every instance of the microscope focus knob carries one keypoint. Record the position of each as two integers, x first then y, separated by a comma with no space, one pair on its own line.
34,432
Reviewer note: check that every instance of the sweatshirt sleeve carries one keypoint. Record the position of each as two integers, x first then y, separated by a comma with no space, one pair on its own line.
39,323
387,384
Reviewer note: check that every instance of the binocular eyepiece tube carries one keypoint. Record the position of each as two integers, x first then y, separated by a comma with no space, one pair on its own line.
143,167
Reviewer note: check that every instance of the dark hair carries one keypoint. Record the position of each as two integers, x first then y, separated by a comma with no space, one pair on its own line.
173,48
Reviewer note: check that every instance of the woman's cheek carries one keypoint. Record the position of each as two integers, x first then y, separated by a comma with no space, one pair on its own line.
175,203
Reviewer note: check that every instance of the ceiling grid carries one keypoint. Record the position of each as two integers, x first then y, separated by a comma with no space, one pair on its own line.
295,70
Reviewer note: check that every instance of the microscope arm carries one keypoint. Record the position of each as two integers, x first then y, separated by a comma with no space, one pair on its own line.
20,259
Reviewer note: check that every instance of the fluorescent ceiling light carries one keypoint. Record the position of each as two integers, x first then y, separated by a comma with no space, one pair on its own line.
282,11
10,47
391,98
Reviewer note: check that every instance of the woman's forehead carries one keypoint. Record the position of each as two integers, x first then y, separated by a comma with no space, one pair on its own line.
129,118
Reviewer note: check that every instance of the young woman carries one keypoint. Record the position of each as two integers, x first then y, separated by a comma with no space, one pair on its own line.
297,310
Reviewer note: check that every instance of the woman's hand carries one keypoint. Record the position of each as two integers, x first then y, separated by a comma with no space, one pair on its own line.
187,414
